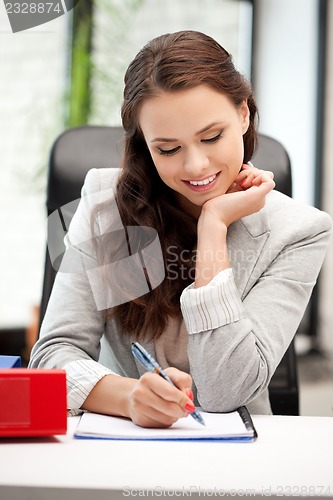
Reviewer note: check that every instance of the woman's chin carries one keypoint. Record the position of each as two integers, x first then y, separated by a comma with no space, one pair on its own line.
190,206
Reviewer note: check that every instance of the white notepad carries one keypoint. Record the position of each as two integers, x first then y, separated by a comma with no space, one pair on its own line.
234,426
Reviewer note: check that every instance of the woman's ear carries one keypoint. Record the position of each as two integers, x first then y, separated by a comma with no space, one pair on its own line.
245,116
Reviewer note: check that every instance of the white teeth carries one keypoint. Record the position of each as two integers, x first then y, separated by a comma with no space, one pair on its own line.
203,183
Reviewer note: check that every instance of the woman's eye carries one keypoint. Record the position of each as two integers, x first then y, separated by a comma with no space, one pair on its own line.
168,152
213,139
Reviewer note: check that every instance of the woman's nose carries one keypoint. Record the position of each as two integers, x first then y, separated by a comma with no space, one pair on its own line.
196,162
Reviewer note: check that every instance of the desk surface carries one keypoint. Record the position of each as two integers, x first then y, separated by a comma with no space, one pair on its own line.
293,456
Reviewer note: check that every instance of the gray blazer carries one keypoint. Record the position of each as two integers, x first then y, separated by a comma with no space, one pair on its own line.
276,255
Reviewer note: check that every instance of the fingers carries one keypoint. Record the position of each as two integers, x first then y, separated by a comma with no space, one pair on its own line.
256,194
251,176
181,379
265,180
148,409
155,402
255,184
246,183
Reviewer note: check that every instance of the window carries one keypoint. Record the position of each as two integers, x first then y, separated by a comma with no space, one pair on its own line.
120,33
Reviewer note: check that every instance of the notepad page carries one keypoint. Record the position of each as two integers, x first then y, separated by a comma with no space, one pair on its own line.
217,425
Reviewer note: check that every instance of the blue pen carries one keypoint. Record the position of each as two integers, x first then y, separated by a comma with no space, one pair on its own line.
151,365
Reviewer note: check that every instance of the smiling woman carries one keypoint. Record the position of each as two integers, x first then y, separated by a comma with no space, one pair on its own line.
239,260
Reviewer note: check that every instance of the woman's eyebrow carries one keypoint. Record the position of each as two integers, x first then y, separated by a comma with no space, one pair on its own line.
204,129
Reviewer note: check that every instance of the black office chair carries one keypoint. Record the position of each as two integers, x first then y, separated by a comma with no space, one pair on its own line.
283,387
79,149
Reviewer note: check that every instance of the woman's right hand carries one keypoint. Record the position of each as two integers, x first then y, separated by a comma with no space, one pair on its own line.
150,401
154,402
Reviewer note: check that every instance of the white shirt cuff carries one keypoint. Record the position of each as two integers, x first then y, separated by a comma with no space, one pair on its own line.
213,305
82,376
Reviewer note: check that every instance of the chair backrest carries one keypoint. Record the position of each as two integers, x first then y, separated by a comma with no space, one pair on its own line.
271,155
79,149
73,154
76,151
283,387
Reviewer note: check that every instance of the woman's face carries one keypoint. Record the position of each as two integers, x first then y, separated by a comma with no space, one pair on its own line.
195,138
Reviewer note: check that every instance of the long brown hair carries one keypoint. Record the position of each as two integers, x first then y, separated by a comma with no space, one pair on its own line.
170,62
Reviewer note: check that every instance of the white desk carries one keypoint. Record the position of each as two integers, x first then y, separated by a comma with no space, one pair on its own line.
292,456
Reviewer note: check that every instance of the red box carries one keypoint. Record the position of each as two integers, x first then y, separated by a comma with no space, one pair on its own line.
32,402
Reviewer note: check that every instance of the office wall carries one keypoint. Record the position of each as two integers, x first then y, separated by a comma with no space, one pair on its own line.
117,38
33,75
326,288
285,81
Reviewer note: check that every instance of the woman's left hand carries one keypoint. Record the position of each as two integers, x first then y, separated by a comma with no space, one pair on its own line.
246,195
249,176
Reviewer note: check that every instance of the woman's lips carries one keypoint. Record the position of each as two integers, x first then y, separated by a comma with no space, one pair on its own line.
203,184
